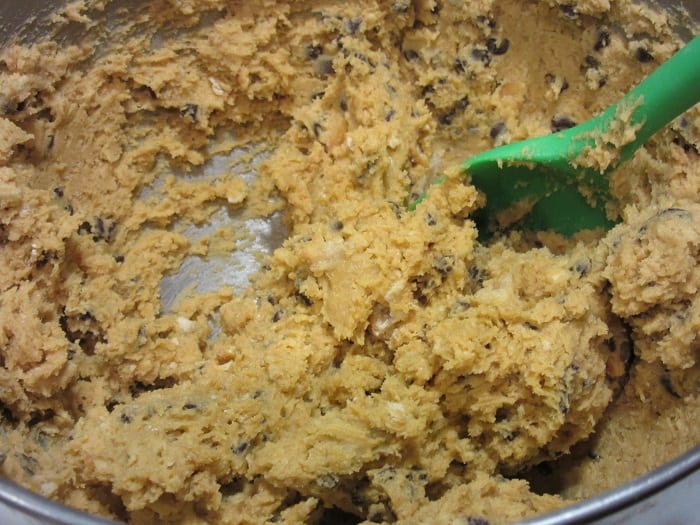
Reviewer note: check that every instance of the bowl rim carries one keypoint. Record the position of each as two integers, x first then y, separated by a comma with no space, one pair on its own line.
587,511
626,495
28,503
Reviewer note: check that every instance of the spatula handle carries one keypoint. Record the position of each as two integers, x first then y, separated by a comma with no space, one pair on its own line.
671,89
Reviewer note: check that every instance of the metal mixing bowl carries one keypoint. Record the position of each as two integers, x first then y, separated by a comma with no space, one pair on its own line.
665,496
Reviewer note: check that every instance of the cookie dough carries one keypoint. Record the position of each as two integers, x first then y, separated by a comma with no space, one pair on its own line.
382,365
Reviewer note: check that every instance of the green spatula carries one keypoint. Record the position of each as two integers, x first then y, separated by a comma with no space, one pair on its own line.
549,178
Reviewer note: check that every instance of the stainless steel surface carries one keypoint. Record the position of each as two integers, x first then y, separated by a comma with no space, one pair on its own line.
666,496
14,16
21,507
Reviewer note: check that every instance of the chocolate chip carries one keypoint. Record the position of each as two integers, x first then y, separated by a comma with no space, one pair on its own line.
119,259
591,62
99,228
44,258
313,52
240,448
644,55
85,228
476,520
551,78
462,103
190,406
486,21
318,129
582,267
447,118
303,299
569,10
497,49
390,115
125,418
353,25
561,122
481,55
419,293
602,41
502,414
411,55
58,192
104,230
511,436
687,146
497,129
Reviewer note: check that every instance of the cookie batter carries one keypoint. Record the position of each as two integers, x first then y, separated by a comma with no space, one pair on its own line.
382,365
